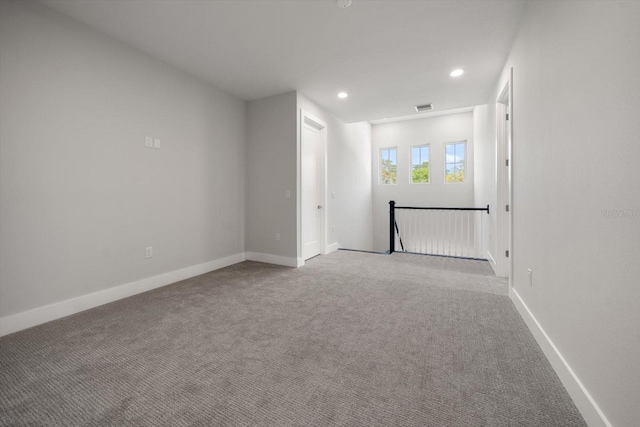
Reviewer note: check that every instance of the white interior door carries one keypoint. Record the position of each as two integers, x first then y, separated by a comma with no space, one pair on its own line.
311,194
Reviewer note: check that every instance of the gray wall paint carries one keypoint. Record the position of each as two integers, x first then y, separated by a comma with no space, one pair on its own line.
81,196
436,131
272,157
575,158
349,177
271,172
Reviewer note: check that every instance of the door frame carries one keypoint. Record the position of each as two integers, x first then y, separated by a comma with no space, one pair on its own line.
310,119
504,179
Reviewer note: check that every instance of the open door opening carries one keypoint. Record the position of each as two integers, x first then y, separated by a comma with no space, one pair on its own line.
504,120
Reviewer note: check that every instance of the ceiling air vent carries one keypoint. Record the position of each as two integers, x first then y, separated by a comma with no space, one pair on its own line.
425,107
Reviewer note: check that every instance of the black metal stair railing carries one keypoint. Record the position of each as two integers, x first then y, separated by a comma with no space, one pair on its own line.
444,231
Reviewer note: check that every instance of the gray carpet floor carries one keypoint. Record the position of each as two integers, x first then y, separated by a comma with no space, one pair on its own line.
350,339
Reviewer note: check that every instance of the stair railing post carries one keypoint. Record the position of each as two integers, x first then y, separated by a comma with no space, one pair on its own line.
392,222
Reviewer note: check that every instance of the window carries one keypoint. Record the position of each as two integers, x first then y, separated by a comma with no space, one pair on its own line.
388,165
420,164
454,162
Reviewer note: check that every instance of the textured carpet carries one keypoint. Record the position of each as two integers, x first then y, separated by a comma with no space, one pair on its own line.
350,339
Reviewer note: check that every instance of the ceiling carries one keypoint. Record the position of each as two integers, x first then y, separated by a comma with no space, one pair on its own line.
388,55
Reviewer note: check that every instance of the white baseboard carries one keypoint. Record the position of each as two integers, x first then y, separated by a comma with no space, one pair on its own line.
492,262
581,397
332,248
37,316
274,259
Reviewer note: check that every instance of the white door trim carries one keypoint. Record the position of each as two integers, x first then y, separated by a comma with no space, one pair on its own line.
310,119
504,179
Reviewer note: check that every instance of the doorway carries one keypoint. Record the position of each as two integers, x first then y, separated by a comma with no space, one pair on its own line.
504,132
312,185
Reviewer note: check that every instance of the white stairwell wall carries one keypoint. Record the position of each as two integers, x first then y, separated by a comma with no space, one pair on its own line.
484,192
436,131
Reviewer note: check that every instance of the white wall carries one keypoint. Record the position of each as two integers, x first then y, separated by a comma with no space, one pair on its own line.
271,172
575,159
485,184
81,196
349,180
436,131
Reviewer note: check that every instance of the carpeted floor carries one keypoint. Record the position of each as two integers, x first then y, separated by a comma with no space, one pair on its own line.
350,339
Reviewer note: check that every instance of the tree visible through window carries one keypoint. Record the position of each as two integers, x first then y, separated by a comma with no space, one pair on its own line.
420,164
388,165
454,162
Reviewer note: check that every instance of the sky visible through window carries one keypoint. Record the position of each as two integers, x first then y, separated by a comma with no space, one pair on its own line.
389,154
388,165
454,162
420,164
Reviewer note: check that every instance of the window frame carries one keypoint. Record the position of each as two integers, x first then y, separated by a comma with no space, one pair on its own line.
411,147
380,165
444,176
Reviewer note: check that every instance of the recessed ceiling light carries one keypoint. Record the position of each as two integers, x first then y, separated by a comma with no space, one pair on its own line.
343,95
343,4
457,73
